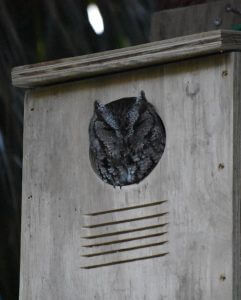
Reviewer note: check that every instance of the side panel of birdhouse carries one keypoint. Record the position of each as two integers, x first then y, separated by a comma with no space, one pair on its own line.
168,237
236,177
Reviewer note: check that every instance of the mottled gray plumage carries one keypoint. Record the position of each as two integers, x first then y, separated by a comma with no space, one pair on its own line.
127,139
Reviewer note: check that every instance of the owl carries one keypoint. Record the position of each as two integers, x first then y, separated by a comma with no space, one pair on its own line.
127,139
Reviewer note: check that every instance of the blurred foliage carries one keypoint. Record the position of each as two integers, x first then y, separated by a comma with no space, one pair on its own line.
34,31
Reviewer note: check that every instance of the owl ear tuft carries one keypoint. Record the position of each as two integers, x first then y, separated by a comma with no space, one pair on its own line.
98,105
141,97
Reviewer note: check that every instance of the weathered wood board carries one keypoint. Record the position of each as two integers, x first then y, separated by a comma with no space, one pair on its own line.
175,235
184,21
176,49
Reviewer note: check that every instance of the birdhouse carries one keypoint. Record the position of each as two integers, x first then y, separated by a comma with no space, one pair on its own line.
131,172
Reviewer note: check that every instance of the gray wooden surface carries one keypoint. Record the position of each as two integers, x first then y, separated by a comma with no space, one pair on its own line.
236,177
176,49
176,22
192,252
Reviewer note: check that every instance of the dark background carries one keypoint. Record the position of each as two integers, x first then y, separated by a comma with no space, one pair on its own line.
34,31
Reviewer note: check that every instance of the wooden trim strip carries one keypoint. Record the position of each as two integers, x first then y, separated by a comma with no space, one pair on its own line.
70,69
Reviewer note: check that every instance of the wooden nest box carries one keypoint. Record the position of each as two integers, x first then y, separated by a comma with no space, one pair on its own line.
136,196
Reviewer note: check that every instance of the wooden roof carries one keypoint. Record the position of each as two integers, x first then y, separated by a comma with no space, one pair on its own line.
75,68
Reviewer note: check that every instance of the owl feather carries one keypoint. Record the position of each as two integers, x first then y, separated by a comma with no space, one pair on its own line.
127,139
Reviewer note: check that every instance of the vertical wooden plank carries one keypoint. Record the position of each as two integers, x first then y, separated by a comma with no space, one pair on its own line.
237,177
25,217
193,19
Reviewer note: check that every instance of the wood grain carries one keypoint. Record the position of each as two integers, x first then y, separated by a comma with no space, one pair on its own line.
176,49
197,177
236,177
167,24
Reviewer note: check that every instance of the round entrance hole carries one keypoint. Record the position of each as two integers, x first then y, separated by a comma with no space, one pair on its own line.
127,139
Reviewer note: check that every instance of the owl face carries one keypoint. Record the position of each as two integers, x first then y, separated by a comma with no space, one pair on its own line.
127,139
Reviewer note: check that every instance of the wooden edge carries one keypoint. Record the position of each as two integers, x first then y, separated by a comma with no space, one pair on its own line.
236,178
164,51
193,19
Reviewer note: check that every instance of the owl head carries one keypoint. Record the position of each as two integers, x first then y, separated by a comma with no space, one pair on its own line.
124,135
